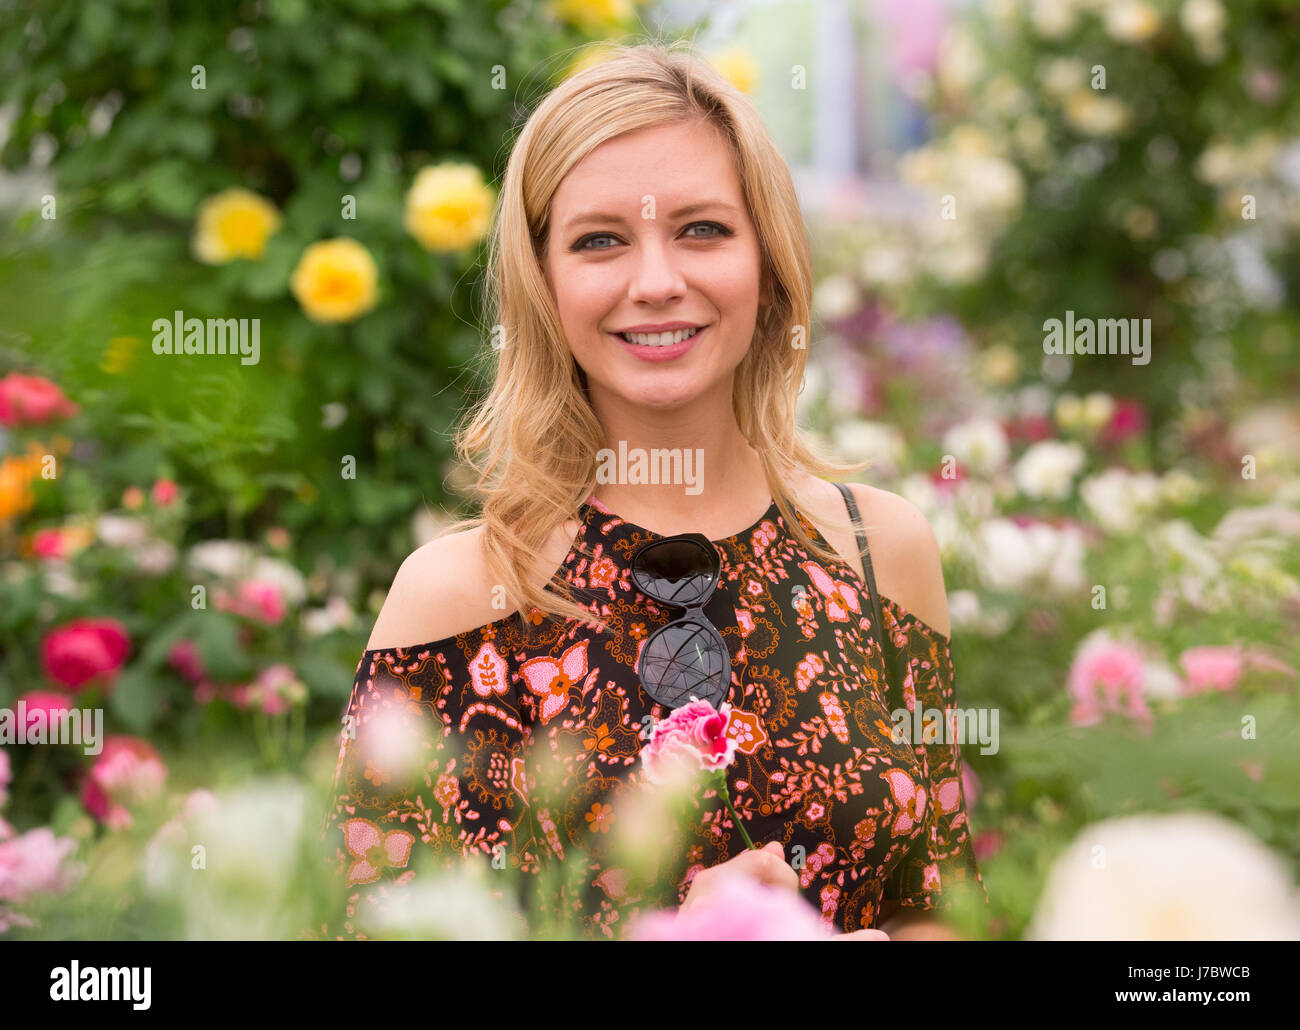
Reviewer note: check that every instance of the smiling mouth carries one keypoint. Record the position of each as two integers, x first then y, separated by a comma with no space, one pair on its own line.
666,339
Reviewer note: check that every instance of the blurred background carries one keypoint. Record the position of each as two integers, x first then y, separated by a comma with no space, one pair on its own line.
198,544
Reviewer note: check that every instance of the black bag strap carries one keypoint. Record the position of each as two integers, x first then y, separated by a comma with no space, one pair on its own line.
878,622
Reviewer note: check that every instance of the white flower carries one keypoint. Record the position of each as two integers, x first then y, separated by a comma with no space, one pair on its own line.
1177,486
337,614
155,558
962,260
1047,469
978,444
58,579
1185,551
1186,876
1160,681
254,849
1022,559
918,488
333,415
836,296
1131,21
967,615
122,531
456,905
227,559
1061,76
1052,19
886,264
861,440
1119,499
1203,19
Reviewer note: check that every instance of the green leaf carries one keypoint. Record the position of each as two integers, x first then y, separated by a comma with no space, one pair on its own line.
136,699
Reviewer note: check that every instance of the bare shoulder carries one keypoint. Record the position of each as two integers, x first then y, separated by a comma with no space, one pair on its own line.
904,551
905,555
440,590
445,587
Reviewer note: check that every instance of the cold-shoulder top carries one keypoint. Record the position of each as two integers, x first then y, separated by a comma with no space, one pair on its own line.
538,737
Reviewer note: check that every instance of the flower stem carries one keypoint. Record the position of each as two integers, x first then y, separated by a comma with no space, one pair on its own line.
726,796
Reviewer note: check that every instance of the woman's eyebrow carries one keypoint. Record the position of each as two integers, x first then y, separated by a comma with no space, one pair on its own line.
605,218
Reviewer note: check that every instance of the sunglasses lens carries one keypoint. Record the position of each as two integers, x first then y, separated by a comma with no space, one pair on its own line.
682,659
677,571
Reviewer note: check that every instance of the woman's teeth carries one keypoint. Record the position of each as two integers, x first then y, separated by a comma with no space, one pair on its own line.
659,339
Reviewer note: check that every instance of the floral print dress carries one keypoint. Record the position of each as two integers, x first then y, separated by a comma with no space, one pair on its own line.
523,747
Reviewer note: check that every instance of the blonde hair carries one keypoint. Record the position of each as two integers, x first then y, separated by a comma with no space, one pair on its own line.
533,440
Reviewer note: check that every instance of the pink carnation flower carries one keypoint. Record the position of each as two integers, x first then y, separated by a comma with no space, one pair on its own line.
739,908
693,737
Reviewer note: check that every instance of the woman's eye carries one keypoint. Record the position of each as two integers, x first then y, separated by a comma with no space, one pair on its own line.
722,229
584,243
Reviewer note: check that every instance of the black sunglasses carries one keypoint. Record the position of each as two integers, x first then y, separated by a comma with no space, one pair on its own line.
687,656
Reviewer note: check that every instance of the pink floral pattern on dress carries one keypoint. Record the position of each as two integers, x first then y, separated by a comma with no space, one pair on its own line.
529,735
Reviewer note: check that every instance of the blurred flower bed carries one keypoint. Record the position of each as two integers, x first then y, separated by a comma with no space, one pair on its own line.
186,550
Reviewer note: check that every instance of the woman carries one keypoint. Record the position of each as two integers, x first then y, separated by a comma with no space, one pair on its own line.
651,280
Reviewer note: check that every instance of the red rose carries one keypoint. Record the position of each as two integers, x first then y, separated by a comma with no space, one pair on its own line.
31,400
83,650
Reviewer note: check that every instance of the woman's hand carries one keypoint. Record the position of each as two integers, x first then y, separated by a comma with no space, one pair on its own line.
766,865
862,935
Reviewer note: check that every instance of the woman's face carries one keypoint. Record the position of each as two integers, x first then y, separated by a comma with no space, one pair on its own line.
625,254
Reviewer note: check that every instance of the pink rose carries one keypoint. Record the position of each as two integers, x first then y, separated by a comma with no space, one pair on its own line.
1212,668
48,701
276,688
48,543
31,400
255,599
184,658
1107,676
128,771
1128,420
164,492
34,863
739,908
986,844
83,650
694,736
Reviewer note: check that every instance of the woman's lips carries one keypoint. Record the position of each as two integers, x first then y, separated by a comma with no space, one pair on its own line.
673,350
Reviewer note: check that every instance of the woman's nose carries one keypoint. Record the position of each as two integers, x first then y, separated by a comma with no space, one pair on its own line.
656,276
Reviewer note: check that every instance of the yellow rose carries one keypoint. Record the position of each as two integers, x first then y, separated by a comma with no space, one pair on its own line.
234,223
449,207
592,17
336,280
737,67
120,354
